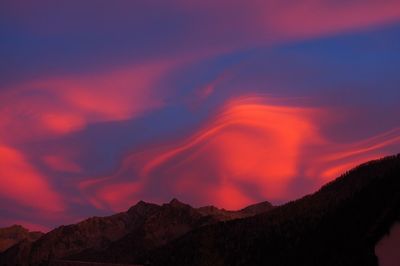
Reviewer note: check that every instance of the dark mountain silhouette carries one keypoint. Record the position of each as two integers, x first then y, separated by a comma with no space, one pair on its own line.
121,237
12,235
171,221
338,225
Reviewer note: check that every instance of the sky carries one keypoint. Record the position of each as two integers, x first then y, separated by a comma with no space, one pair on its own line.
214,102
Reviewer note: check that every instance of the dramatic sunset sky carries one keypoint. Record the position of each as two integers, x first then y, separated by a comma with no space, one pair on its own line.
223,102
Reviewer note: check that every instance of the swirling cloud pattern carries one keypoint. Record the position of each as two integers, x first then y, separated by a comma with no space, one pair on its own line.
213,102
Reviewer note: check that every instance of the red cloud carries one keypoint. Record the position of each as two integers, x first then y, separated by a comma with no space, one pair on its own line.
57,106
52,107
22,183
310,18
338,158
248,142
276,21
60,123
118,95
252,149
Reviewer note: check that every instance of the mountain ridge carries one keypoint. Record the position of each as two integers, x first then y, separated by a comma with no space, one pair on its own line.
11,235
144,222
338,225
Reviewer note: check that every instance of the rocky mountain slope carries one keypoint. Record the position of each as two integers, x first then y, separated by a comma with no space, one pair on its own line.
121,237
339,225
10,236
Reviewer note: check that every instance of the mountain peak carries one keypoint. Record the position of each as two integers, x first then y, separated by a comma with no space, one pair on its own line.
141,203
142,207
355,210
176,203
13,229
162,232
11,235
258,207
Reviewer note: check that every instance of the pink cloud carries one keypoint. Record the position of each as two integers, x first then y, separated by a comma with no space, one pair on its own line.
252,142
24,184
249,141
62,123
337,158
219,26
58,106
311,18
276,21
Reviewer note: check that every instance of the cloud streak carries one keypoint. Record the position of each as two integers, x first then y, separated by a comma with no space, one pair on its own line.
24,184
150,86
59,106
250,150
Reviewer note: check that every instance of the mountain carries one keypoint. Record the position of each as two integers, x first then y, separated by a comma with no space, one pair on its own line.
225,215
121,237
338,225
10,236
171,221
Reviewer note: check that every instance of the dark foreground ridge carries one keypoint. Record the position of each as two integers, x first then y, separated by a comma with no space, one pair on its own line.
123,237
338,225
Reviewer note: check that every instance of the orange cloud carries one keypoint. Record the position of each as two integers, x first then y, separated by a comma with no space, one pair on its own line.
62,123
336,158
249,142
119,95
231,197
117,196
22,183
252,149
58,106
336,170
